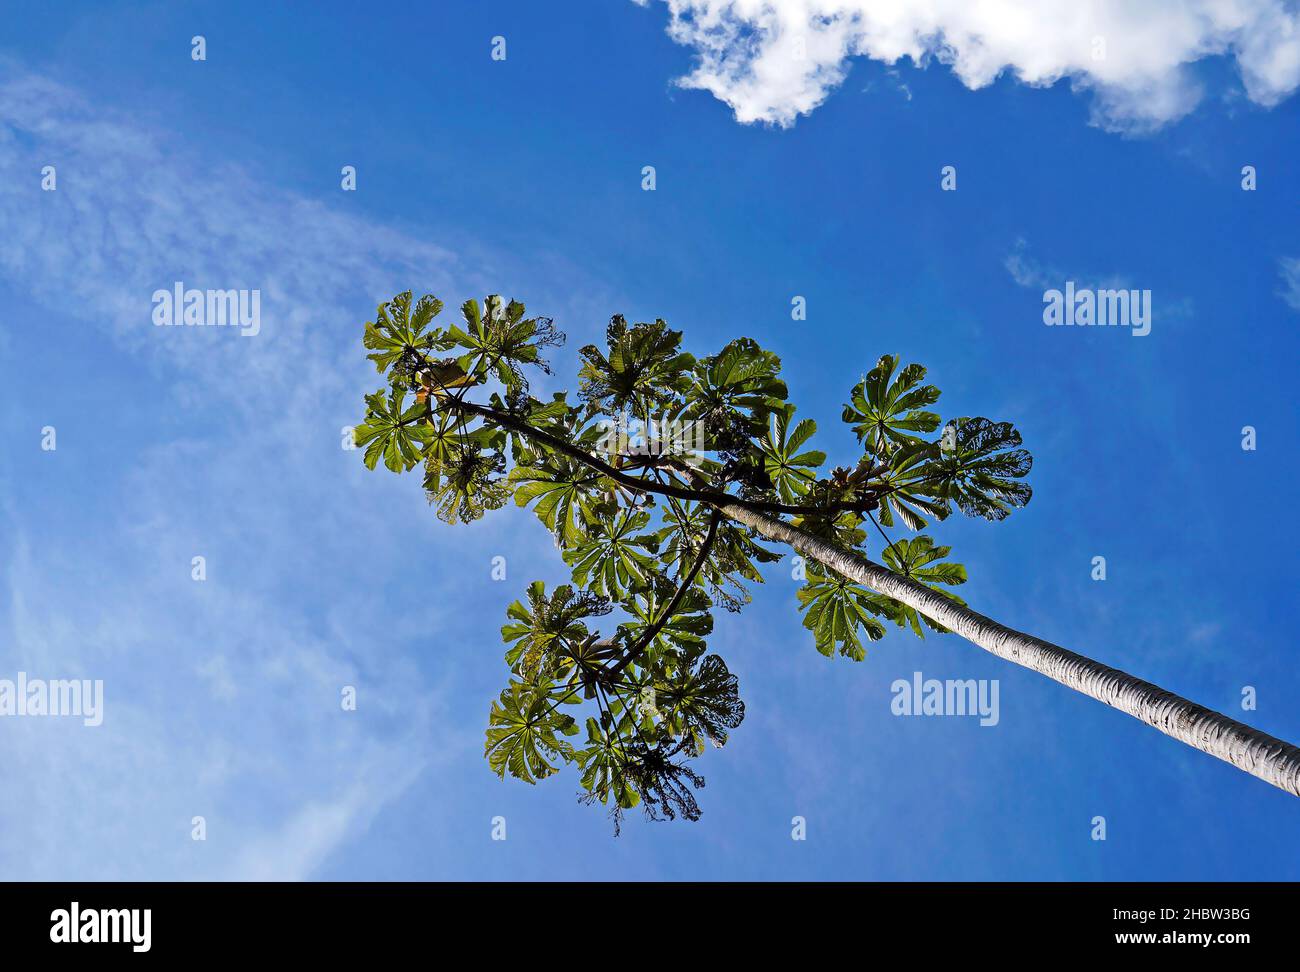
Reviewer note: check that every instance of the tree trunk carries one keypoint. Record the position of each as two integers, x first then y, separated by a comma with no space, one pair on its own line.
1258,753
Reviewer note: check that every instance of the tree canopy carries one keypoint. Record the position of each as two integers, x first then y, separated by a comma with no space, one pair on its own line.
640,520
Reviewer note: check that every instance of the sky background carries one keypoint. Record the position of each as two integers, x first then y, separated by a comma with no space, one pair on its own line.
523,177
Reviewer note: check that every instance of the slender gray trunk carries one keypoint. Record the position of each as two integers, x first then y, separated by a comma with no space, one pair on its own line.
1258,753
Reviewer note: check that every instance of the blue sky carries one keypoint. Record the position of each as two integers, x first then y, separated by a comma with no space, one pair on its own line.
523,177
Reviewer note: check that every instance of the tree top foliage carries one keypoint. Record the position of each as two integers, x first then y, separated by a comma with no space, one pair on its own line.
632,478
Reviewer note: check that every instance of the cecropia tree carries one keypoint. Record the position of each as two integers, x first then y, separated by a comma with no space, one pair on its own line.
667,522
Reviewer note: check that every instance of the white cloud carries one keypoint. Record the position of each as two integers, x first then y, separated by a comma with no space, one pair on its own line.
1028,272
135,212
774,60
221,699
1025,270
1289,267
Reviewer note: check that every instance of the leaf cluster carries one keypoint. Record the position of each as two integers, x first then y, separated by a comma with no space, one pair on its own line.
641,530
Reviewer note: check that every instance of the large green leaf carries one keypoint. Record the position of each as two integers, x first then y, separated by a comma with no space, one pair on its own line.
499,340
733,392
741,375
790,470
617,555
545,633
836,610
907,486
524,734
918,558
398,335
732,560
642,368
681,635
604,764
396,433
887,410
565,492
977,468
702,705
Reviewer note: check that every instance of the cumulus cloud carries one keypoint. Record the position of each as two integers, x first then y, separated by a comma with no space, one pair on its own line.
774,60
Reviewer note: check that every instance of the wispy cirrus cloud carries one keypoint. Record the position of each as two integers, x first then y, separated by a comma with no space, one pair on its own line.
133,213
1029,272
222,698
1289,268
774,60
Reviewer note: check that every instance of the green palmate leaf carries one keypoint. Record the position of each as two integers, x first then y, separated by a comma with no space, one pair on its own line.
887,410
472,483
908,488
642,368
499,340
616,556
524,735
547,633
446,435
741,376
732,393
604,763
703,705
587,664
398,333
682,635
566,493
790,470
836,610
396,433
917,558
732,561
977,468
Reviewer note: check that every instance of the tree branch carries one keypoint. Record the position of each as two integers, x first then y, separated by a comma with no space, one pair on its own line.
710,496
653,631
